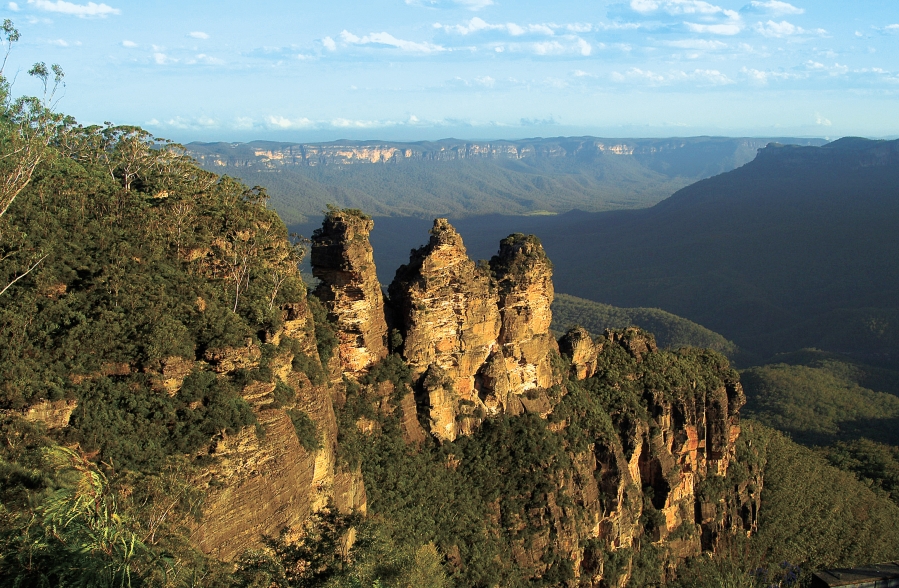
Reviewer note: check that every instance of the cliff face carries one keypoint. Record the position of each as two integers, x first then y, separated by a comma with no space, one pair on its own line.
273,155
262,478
652,476
342,259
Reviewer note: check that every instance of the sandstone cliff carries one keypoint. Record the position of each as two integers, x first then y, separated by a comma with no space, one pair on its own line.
262,478
449,316
343,261
653,472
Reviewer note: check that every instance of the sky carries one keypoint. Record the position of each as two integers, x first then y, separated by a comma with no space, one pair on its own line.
411,70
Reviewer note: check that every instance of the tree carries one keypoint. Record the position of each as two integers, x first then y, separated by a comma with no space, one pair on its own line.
27,126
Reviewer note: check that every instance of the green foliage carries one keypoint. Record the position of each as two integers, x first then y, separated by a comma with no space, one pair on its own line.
307,431
137,428
821,403
670,330
391,369
475,497
814,515
875,464
325,336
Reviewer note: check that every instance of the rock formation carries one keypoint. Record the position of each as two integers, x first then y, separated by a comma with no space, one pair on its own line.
262,479
342,260
449,314
524,275
476,337
652,468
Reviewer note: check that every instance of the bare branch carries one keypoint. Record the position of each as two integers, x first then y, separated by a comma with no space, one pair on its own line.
19,277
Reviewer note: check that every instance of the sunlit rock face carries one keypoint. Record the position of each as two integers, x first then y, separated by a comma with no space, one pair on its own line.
476,336
449,315
524,276
261,479
342,260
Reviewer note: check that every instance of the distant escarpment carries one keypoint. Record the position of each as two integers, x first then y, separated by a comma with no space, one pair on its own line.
460,178
273,154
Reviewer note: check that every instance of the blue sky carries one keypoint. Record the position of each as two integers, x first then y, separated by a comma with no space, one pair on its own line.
426,69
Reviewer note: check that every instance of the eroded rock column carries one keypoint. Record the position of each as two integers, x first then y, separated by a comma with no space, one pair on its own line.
449,314
524,279
342,259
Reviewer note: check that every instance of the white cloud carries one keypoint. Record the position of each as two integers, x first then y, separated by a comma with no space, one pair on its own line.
486,81
82,10
585,47
698,44
59,43
548,48
198,35
13,6
344,123
329,44
715,29
201,122
762,77
163,59
205,59
390,41
834,70
677,7
579,27
469,4
129,44
476,25
579,73
821,121
243,123
474,4
281,122
775,7
784,29
706,77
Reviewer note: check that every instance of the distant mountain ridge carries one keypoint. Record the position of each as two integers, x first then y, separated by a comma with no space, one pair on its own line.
276,154
796,249
469,178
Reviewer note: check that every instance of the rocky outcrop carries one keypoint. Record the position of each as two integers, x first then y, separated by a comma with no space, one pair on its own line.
476,337
651,477
577,345
449,315
54,414
524,275
343,261
262,479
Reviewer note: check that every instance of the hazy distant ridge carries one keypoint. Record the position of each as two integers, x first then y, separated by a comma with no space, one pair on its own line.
469,178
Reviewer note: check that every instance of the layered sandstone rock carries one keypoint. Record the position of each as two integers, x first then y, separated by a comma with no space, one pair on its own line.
342,260
449,314
578,346
261,479
659,462
524,276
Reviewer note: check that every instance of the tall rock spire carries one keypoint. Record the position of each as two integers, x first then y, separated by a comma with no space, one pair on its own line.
342,260
447,307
